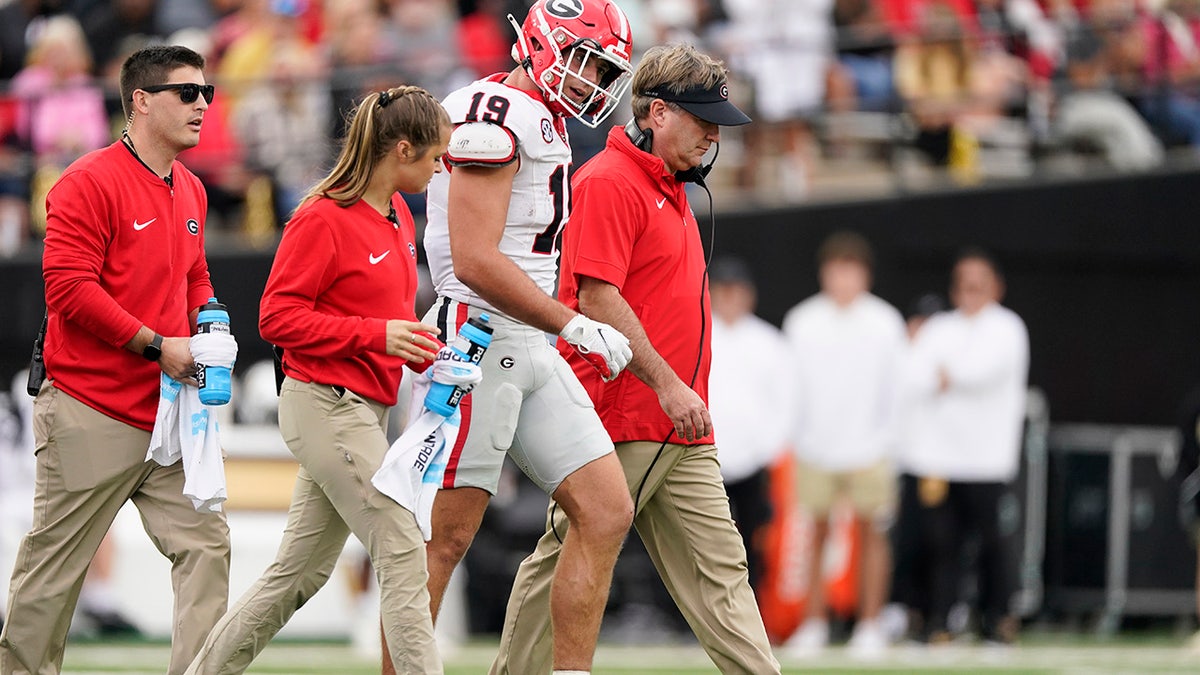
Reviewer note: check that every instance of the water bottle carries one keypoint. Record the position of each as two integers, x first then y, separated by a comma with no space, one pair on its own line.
213,380
472,341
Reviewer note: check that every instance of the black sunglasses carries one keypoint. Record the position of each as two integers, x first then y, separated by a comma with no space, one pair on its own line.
188,91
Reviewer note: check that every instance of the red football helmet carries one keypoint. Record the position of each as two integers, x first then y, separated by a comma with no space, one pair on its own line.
562,40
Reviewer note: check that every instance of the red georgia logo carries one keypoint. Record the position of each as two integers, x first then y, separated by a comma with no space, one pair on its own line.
724,91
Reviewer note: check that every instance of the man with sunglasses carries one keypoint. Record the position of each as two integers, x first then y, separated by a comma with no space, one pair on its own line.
125,275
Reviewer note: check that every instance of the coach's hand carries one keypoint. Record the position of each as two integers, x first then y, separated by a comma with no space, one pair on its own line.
411,340
602,345
176,360
686,410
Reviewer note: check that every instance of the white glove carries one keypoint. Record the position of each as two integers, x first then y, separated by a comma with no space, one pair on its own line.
451,368
600,344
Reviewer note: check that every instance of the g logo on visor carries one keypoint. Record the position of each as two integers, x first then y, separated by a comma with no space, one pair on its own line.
565,9
724,91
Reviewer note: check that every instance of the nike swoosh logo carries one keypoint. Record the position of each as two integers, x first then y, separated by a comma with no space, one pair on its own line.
141,226
375,260
660,202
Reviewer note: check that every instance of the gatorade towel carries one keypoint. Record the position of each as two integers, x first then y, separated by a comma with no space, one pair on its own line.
783,593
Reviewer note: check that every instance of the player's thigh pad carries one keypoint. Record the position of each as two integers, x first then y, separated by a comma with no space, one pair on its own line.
490,412
558,431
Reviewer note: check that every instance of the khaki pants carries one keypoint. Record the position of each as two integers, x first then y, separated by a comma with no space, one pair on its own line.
88,466
871,490
340,442
682,515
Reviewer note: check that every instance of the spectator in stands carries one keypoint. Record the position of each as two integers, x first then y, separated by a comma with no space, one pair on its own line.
109,24
785,47
1164,44
244,17
14,181
360,55
967,373
847,345
61,115
483,36
277,27
219,160
741,391
175,15
865,47
424,34
283,124
933,78
1090,116
20,21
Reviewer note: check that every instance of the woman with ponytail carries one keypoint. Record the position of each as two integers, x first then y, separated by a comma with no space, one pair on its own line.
340,302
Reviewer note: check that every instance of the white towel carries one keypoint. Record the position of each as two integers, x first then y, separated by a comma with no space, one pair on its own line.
185,428
214,349
412,469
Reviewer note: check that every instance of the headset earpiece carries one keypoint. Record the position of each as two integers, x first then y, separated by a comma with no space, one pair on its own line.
642,139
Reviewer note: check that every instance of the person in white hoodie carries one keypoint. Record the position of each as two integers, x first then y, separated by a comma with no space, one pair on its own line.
846,344
967,374
742,393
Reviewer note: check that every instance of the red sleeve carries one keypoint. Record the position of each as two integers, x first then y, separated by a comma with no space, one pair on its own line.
602,230
78,233
305,267
200,287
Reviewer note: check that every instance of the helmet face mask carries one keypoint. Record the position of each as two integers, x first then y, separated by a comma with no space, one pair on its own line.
562,41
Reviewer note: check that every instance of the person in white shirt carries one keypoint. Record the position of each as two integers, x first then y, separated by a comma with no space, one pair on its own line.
846,344
745,397
967,376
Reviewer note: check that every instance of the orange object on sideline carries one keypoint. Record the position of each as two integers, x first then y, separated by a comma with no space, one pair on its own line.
783,592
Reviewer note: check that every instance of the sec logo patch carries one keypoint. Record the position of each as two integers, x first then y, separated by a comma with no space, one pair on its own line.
547,131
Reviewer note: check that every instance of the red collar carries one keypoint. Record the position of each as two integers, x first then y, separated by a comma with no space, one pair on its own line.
652,165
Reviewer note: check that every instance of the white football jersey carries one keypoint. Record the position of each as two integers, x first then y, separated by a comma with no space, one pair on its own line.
540,199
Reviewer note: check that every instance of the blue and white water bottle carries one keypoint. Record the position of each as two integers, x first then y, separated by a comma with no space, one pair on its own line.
213,381
473,339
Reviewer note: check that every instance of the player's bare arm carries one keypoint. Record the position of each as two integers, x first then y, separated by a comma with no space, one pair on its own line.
686,410
476,212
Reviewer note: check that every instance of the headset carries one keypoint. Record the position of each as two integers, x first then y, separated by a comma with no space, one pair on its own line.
643,139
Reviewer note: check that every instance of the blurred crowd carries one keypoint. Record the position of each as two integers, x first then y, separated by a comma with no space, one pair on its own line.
844,93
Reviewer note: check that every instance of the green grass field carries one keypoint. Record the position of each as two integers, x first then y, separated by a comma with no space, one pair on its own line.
1043,655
